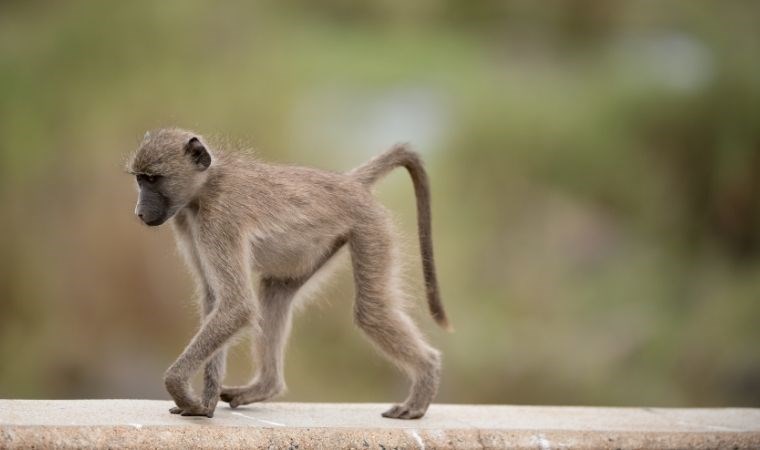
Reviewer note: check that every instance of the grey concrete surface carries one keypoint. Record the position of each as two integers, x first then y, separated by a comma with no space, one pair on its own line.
148,424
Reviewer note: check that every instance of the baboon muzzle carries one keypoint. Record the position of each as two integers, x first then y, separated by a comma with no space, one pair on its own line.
152,208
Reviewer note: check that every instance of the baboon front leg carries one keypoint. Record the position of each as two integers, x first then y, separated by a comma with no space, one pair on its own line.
276,303
214,369
235,308
380,314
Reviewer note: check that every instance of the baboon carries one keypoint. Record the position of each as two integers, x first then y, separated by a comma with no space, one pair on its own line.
235,216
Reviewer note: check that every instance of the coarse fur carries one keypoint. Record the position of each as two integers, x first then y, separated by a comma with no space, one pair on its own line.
235,216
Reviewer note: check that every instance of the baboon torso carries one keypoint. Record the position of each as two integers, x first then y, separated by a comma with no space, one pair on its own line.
314,205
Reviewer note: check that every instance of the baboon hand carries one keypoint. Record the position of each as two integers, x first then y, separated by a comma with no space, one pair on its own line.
202,411
405,411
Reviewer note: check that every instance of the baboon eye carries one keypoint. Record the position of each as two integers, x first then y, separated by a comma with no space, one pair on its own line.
150,179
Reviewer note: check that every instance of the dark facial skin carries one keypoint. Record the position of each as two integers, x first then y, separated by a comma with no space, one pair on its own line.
165,187
152,206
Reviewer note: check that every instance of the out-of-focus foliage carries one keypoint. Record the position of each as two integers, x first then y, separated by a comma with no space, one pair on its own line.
595,168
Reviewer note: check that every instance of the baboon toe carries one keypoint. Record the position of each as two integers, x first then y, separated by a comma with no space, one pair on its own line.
411,414
201,412
393,412
197,410
191,412
404,412
244,399
243,396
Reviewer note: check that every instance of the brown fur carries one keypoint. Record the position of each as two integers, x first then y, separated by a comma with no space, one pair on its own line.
240,216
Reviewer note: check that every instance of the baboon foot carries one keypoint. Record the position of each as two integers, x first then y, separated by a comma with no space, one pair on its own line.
405,411
206,412
243,395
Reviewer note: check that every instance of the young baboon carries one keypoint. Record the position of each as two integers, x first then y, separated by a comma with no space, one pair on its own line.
235,216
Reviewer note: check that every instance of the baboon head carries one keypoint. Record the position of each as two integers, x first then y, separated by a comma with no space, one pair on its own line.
170,167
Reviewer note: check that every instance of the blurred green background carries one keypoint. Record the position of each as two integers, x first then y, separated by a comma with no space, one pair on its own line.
595,170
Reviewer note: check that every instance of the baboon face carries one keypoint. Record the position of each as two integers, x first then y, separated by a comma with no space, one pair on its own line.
170,166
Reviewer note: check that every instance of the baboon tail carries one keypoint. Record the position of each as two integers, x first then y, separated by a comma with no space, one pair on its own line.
400,155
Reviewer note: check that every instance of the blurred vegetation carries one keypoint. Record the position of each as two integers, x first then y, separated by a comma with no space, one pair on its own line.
595,168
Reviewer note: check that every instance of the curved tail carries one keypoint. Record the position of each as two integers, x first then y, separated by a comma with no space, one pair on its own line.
400,155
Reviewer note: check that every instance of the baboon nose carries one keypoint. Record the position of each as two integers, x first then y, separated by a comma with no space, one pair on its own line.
140,215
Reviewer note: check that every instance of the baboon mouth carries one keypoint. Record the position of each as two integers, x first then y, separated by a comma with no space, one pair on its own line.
155,222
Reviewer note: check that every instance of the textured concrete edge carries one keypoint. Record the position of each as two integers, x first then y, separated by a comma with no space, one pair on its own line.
12,437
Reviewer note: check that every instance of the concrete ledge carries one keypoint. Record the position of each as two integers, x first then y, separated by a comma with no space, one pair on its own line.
147,424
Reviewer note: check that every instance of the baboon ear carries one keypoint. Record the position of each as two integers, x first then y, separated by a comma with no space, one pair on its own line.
198,153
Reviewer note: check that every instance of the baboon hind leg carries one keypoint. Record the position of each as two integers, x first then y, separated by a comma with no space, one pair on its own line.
276,298
380,314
